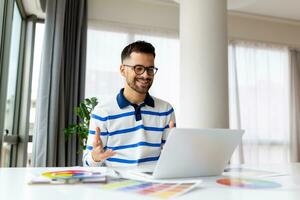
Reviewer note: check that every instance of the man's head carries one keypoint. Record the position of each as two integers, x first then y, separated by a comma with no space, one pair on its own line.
138,66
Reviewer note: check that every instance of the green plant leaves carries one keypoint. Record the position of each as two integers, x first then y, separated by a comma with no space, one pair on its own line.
81,129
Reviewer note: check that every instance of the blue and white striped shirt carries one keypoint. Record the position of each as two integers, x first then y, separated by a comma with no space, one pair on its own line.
135,132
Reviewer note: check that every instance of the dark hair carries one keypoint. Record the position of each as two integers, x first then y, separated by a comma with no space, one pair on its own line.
138,47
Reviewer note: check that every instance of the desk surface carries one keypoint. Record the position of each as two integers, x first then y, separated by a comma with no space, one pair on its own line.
13,185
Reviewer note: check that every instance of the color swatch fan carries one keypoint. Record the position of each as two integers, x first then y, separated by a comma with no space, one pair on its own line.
71,174
68,177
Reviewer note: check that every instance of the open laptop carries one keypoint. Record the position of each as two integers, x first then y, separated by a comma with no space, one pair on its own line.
194,153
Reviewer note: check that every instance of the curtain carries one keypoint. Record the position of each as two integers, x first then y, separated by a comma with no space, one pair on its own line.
259,101
234,101
295,105
61,83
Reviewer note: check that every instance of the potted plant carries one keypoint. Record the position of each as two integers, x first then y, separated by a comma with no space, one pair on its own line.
83,111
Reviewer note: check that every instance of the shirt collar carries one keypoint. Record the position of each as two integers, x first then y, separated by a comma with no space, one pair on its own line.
123,102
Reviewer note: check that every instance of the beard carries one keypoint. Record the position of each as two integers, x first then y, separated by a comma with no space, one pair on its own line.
140,85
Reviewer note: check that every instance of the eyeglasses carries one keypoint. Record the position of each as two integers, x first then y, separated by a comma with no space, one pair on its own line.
140,69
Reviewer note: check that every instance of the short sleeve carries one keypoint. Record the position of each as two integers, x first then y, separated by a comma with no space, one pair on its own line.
169,117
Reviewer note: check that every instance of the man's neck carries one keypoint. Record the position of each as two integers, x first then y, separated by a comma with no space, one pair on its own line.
133,96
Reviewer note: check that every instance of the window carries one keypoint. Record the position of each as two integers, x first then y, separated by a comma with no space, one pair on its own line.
104,48
11,92
103,60
16,58
38,44
259,100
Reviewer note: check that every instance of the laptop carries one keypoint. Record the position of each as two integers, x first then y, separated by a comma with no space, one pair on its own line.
193,153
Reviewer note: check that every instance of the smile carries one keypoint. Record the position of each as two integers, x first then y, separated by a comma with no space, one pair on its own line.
143,81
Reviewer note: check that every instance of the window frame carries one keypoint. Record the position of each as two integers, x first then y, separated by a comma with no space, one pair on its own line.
19,137
32,21
4,59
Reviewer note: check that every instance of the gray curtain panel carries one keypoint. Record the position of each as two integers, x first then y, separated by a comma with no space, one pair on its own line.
295,105
61,83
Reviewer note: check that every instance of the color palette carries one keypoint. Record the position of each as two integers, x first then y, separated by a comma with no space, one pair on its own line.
160,190
248,183
71,174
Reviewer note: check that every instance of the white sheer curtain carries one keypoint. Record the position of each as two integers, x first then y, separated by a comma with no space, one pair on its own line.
295,105
259,101
105,43
103,79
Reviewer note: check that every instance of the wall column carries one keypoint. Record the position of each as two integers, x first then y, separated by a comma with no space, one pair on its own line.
203,65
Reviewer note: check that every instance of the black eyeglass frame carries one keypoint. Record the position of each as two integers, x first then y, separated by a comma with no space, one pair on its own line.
155,69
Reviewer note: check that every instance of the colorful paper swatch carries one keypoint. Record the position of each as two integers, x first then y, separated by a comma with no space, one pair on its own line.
248,183
69,174
160,190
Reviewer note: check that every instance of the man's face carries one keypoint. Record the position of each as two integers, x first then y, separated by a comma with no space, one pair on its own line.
139,83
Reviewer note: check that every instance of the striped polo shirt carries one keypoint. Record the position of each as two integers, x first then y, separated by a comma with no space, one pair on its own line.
135,132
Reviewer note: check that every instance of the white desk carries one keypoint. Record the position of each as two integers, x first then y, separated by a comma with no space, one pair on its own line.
13,186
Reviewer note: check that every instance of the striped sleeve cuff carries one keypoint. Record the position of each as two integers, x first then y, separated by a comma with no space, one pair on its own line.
89,161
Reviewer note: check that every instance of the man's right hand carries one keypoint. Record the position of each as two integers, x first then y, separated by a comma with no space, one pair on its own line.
98,154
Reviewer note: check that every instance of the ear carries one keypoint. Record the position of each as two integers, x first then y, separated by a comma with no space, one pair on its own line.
122,70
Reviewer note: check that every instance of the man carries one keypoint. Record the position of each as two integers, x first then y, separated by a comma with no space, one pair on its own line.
131,128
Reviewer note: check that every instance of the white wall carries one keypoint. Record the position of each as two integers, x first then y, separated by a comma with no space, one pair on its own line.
241,26
151,13
135,12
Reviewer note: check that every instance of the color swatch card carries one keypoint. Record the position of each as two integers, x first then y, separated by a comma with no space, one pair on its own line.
159,190
248,183
69,176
